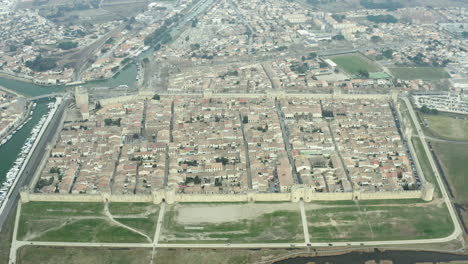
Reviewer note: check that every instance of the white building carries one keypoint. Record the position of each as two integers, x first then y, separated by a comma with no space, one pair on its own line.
443,101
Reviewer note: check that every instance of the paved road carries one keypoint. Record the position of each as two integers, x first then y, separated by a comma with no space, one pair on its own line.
33,163
305,225
446,140
157,233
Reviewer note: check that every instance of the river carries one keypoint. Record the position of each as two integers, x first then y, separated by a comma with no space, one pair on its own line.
397,257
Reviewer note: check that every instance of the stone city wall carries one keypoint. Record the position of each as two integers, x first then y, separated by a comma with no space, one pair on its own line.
274,94
297,193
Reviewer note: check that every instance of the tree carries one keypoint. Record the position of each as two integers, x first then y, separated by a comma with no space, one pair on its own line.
245,119
465,34
197,180
338,37
145,60
430,111
388,53
67,45
363,74
13,48
312,56
376,39
382,19
156,97
338,18
28,41
323,65
98,105
41,64
195,46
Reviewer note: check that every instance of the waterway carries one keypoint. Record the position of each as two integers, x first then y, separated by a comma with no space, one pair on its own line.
10,150
125,77
398,257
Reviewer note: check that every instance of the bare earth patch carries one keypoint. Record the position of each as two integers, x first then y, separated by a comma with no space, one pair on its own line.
215,214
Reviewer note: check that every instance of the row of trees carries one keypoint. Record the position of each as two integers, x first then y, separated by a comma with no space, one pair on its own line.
431,111
382,19
41,64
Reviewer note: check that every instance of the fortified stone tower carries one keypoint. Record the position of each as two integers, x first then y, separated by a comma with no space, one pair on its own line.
24,194
82,101
394,95
428,191
164,195
297,193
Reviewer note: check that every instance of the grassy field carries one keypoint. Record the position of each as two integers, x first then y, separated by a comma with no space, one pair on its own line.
363,223
270,226
147,225
225,256
424,162
371,202
406,115
454,158
81,222
415,73
94,230
447,127
353,63
50,255
132,208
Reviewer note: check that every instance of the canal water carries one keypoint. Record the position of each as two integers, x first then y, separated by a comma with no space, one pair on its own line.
398,257
125,77
10,150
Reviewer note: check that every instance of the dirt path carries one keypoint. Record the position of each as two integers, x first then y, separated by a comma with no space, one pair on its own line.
142,215
111,218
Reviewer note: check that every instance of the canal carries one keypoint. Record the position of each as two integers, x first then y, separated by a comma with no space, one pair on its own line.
125,77
10,150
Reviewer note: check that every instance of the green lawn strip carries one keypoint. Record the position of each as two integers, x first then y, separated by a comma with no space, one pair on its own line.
91,230
406,115
354,63
371,202
454,160
146,225
70,255
279,226
131,208
387,223
61,209
424,162
416,73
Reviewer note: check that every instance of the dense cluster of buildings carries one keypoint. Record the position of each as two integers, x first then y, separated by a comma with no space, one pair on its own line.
13,111
230,145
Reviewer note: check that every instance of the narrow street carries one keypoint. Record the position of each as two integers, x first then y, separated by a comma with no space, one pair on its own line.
284,130
247,156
